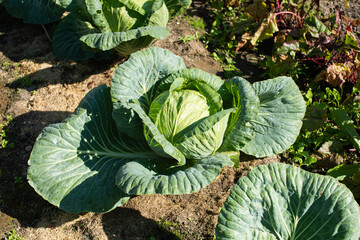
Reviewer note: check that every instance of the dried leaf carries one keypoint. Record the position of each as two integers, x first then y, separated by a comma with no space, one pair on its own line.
266,30
244,42
232,3
330,147
258,9
335,74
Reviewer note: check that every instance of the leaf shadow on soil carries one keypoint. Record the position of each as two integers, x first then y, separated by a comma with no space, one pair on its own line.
63,72
127,223
19,40
18,198
121,223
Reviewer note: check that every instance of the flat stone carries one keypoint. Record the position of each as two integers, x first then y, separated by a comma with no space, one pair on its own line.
7,224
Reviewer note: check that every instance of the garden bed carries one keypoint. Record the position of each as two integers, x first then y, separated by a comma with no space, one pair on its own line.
38,89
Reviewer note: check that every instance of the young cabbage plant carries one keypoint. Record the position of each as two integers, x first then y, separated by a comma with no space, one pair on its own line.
280,201
159,129
95,26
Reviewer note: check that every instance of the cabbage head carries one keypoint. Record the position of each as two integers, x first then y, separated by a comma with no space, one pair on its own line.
160,129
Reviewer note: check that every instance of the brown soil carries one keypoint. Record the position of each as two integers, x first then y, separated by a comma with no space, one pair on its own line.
38,89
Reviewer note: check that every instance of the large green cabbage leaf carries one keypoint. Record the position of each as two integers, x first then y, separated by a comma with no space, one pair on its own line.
144,177
73,164
244,98
66,40
279,120
139,38
36,11
280,201
175,7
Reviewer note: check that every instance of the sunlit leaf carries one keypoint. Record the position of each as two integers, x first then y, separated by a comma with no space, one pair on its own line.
280,201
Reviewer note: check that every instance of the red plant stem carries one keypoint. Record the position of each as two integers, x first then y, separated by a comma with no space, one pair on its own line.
313,59
288,12
337,57
353,78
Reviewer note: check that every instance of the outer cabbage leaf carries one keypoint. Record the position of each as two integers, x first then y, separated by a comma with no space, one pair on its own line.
127,26
253,235
73,164
158,15
279,120
125,42
245,99
137,78
66,40
144,177
175,7
79,10
36,11
96,13
286,202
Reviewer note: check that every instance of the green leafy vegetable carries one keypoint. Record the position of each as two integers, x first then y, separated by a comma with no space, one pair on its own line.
349,174
280,201
346,124
125,26
36,11
160,128
94,26
279,119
